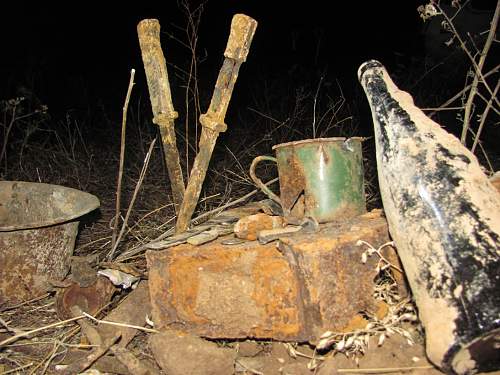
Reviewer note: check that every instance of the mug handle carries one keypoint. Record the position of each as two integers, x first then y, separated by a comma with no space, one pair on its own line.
257,180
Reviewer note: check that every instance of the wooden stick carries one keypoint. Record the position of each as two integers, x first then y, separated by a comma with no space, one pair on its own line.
122,158
134,196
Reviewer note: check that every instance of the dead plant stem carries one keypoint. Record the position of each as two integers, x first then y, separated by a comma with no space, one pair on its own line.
25,302
478,67
488,161
134,196
461,92
168,233
486,101
314,106
122,158
193,19
483,117
17,369
6,136
36,330
117,324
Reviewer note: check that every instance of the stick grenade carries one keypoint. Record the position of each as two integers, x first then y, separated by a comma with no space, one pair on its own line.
238,45
161,101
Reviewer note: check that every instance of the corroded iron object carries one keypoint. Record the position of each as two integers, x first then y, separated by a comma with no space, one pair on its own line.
161,101
38,228
444,216
238,45
90,299
297,290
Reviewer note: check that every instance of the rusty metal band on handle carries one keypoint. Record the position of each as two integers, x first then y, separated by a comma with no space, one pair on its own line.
259,182
238,45
161,101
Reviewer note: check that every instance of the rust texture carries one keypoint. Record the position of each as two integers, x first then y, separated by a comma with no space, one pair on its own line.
240,38
90,298
37,235
317,282
292,185
217,291
31,258
335,284
161,101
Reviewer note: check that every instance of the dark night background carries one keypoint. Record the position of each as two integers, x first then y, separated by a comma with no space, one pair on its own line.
72,56
77,56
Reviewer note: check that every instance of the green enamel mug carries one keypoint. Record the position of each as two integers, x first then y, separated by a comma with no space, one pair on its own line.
321,178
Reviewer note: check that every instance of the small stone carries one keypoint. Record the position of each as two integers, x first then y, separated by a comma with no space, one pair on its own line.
248,227
203,237
295,369
180,354
249,364
249,349
280,352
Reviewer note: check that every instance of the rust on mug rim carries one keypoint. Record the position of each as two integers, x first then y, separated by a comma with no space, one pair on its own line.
317,140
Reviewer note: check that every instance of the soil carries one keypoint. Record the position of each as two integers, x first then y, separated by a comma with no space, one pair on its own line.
45,352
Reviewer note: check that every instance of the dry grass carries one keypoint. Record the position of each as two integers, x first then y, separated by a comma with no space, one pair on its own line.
400,319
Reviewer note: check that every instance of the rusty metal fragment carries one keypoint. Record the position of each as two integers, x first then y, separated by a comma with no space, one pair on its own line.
38,229
89,298
203,237
335,284
238,45
164,114
307,225
132,311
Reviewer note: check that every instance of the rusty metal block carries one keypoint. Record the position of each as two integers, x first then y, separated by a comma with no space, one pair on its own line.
220,291
290,290
334,284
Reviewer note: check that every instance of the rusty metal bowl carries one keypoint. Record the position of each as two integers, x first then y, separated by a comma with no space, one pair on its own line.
38,228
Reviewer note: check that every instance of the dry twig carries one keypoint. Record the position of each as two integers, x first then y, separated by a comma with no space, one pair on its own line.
122,158
36,330
134,196
478,67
